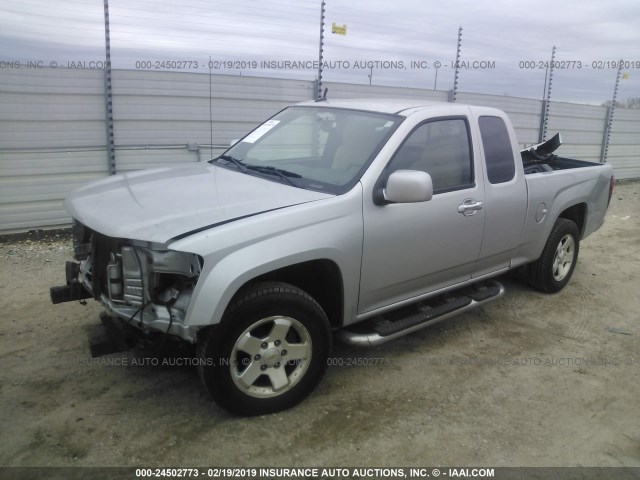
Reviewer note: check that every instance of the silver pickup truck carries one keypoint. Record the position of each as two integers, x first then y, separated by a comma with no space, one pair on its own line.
369,219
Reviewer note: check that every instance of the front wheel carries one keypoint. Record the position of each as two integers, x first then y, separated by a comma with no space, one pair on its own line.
269,352
553,270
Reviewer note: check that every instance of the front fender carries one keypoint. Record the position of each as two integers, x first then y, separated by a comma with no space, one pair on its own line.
235,253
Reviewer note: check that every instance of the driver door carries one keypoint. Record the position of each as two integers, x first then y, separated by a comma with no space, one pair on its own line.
412,249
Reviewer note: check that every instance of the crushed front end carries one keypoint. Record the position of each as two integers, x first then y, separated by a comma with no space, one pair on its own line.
146,286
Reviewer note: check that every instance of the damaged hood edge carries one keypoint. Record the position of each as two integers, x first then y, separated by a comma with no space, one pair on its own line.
164,204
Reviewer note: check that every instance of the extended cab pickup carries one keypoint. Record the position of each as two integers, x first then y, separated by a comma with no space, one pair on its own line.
367,218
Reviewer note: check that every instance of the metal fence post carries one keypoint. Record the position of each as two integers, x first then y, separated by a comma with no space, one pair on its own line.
320,51
544,114
454,92
108,94
606,136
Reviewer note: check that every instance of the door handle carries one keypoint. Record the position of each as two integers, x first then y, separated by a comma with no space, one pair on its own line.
469,207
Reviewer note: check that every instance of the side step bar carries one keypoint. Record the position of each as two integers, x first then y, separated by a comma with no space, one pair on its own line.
397,323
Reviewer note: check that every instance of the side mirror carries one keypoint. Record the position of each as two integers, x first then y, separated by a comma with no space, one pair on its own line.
405,186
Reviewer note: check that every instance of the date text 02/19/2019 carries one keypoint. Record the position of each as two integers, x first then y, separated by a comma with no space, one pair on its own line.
578,64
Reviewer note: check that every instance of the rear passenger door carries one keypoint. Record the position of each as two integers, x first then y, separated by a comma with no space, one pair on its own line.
505,194
414,248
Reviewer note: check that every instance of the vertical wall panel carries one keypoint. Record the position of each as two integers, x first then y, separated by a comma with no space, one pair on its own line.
624,146
173,109
582,129
52,139
52,127
350,90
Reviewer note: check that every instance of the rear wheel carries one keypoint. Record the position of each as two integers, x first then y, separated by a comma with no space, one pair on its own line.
269,352
553,270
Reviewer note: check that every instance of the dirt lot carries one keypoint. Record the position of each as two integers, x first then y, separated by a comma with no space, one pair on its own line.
529,380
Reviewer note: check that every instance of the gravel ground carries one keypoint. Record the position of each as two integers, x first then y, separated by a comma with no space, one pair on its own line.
529,380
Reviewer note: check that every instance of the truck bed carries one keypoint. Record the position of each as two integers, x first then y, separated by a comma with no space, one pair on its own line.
554,163
541,159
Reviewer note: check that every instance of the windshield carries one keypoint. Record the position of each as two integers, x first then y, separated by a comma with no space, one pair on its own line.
317,148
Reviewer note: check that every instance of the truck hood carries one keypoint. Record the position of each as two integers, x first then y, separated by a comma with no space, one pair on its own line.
159,205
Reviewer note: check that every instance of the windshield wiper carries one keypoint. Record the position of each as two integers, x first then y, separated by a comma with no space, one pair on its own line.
244,167
285,175
238,163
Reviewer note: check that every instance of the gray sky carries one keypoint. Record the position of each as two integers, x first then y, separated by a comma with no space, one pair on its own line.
402,38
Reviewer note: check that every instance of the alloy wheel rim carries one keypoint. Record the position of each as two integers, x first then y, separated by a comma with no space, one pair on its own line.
271,357
563,258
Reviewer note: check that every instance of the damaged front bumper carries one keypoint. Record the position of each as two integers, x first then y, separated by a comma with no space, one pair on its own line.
149,288
73,290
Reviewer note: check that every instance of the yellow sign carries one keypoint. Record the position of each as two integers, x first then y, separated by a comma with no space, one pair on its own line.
339,29
625,75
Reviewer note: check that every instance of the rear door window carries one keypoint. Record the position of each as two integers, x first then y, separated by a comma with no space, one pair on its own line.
498,153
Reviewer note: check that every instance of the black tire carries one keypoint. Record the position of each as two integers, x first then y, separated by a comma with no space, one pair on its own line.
268,353
553,270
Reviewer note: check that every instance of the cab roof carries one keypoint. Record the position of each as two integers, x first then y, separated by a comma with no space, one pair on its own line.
398,106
